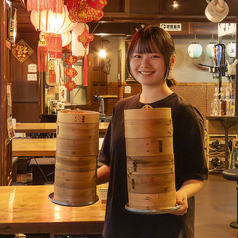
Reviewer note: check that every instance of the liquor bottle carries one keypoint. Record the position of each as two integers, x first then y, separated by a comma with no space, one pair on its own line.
223,103
228,99
216,104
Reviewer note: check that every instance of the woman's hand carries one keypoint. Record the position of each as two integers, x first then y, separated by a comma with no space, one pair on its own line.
188,189
181,199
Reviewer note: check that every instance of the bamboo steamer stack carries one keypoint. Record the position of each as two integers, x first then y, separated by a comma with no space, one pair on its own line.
150,159
76,157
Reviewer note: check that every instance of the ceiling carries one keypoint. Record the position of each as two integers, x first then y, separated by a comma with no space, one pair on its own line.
122,17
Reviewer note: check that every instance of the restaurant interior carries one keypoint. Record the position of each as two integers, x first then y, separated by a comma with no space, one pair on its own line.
37,83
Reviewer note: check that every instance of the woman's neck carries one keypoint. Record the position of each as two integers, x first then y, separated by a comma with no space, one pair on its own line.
152,94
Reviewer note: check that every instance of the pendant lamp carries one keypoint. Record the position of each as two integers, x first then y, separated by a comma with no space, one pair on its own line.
195,50
50,22
231,49
210,49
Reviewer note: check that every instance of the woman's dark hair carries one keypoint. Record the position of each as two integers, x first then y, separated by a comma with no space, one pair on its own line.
149,40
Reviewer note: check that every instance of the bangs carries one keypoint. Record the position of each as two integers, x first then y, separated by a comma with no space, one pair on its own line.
144,46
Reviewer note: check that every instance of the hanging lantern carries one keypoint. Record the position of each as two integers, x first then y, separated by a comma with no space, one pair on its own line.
210,49
195,50
66,38
52,5
231,49
48,21
77,47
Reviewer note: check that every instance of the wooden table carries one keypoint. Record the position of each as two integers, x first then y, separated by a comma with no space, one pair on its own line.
37,147
27,209
48,127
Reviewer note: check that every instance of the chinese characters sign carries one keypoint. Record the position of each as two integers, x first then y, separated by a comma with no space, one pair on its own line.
171,26
22,51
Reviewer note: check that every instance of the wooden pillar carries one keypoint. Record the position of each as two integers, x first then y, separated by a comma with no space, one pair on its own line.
3,103
236,77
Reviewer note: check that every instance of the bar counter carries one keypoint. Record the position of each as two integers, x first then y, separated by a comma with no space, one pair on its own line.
27,209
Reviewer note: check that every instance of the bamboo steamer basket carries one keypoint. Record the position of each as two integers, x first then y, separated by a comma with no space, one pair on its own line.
76,157
150,159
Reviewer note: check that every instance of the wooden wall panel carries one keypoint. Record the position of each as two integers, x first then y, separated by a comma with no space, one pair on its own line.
26,94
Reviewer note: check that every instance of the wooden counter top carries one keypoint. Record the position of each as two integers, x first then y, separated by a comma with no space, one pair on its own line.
27,209
48,127
37,146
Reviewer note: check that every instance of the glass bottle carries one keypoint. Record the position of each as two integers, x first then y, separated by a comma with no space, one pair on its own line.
216,104
223,103
228,102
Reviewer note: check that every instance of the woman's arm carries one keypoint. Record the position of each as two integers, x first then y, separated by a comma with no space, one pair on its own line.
103,174
188,189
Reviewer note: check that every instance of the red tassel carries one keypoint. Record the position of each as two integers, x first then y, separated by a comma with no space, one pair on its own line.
52,76
85,71
42,57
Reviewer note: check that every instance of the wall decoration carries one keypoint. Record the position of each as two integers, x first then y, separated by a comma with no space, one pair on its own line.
22,51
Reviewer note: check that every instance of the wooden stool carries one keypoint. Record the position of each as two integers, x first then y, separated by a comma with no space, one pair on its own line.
232,174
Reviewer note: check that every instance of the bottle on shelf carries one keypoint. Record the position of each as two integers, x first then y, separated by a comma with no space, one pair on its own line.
229,103
223,103
216,104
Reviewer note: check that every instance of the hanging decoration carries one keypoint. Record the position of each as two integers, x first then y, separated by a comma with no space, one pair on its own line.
50,22
42,54
52,73
41,5
97,4
70,85
69,48
54,45
85,38
81,11
195,50
77,47
71,72
22,51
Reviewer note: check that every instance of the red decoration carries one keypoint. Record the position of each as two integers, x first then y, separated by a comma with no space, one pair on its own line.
85,38
54,45
69,47
71,59
52,74
84,13
70,85
97,4
42,58
71,72
41,5
22,51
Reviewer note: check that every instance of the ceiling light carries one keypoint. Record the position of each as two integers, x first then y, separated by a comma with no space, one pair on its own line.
175,4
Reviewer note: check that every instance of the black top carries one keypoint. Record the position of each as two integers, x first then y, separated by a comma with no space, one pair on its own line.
190,163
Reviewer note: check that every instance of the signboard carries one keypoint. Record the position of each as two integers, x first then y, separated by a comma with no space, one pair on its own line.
171,26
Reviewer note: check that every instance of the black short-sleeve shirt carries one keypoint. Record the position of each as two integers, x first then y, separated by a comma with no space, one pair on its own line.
190,163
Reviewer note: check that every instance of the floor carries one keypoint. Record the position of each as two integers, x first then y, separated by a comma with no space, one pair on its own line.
216,208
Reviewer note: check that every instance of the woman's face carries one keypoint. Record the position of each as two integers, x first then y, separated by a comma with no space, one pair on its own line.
148,68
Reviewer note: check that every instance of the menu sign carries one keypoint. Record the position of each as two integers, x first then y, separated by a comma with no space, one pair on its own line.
22,50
